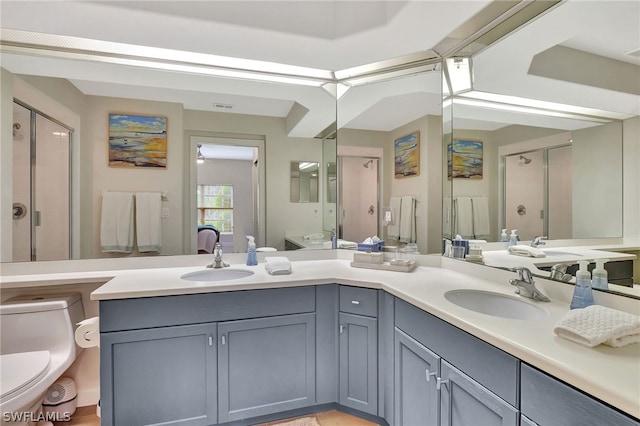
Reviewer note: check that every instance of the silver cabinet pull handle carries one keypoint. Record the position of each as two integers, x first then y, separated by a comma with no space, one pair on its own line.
341,328
210,341
224,340
355,302
429,374
440,382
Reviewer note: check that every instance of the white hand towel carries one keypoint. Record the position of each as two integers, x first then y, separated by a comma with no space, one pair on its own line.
597,324
480,207
463,221
277,265
407,219
393,229
149,231
116,222
207,239
522,250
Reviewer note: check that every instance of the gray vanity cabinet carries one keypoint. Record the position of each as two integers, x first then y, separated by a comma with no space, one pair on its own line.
266,365
203,359
416,398
358,349
465,402
164,375
546,402
445,376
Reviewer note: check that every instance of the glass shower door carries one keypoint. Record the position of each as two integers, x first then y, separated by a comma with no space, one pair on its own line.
51,191
41,187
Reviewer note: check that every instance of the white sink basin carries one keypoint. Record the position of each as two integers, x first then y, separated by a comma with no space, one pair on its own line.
496,304
217,275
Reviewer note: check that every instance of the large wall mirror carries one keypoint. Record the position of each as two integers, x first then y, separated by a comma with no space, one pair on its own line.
536,136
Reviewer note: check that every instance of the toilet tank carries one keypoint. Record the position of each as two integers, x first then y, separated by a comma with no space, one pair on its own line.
40,322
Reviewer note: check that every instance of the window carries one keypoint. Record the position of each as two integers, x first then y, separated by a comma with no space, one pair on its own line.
215,206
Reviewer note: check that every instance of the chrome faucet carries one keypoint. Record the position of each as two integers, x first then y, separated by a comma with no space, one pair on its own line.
217,258
526,287
559,272
537,241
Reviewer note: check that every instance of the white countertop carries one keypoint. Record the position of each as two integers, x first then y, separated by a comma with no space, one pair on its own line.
610,374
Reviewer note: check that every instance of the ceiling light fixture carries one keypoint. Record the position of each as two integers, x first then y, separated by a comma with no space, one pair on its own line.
199,156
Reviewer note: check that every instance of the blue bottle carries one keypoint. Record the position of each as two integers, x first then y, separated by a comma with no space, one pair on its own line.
252,256
582,293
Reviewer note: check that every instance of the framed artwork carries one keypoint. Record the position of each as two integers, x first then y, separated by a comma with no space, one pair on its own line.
407,155
137,141
464,159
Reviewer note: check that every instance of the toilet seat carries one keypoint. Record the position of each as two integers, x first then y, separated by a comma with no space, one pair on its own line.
20,370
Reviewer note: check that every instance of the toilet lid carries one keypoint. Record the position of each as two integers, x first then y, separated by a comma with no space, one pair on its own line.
21,369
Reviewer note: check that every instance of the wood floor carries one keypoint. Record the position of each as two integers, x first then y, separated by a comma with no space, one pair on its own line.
86,416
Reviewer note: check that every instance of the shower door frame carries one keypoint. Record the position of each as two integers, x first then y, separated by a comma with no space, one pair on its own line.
545,190
34,112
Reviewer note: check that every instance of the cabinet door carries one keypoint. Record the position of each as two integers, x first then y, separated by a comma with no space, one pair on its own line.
266,365
463,401
359,362
159,376
416,369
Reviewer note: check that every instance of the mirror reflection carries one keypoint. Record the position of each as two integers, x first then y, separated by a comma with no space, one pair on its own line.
550,139
304,181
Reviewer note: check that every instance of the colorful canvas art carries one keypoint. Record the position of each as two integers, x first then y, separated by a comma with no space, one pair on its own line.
465,159
137,141
407,155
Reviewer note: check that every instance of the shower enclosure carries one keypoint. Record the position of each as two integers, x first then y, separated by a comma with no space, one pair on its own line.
538,193
41,186
358,197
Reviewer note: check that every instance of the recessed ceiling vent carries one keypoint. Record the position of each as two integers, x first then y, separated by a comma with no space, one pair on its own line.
634,52
219,105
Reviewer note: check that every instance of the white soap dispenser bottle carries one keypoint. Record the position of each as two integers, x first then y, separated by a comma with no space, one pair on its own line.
582,294
513,239
600,277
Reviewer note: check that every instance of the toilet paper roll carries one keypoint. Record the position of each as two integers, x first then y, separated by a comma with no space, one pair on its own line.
88,333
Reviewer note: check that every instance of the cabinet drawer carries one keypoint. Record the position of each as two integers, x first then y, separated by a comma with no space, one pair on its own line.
151,312
547,401
359,301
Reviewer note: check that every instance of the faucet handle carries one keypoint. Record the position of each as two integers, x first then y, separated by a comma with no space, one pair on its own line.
524,274
537,241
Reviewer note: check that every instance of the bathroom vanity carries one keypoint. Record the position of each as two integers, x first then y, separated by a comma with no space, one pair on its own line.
388,345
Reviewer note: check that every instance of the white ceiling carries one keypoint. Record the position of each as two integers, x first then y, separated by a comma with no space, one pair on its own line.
328,35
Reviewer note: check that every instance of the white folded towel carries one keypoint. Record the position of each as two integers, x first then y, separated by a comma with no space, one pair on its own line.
480,207
597,324
463,220
407,219
522,250
148,228
277,265
116,222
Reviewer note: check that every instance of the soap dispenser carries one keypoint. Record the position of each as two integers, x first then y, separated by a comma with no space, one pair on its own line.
252,256
334,239
582,294
504,238
513,239
600,278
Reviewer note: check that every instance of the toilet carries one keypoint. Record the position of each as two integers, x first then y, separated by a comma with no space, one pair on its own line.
38,346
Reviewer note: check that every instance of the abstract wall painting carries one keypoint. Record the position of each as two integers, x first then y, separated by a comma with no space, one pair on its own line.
407,155
465,159
137,141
